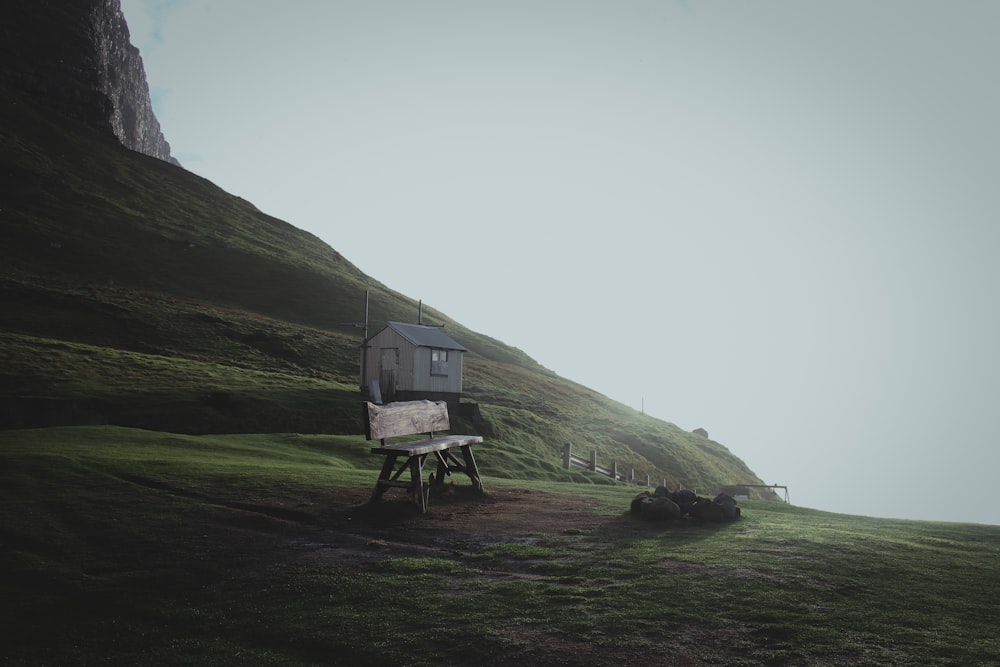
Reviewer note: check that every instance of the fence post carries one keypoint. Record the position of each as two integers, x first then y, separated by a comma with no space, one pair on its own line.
631,474
647,479
568,455
593,460
614,471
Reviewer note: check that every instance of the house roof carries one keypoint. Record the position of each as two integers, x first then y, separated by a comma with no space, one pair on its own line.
424,336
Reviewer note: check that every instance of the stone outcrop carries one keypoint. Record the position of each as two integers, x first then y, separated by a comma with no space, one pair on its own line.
664,504
122,78
77,58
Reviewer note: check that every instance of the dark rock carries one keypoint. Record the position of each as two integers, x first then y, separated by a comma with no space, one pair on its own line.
707,510
638,500
725,499
728,504
685,499
661,509
662,491
662,504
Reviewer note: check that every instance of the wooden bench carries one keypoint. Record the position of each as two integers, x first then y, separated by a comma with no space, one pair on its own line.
410,418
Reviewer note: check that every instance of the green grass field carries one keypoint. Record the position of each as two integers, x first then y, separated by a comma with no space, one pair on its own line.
124,546
140,295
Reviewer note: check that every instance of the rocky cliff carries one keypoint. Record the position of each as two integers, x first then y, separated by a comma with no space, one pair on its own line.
122,78
77,56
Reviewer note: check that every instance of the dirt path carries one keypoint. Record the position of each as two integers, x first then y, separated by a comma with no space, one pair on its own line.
459,522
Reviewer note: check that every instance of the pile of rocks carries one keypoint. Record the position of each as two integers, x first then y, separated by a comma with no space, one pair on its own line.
664,504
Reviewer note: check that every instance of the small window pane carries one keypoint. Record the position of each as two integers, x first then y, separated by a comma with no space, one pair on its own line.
439,362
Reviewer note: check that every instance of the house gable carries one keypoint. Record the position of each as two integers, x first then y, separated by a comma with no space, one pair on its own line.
425,336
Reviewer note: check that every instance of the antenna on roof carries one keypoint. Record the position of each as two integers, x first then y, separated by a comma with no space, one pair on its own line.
420,312
359,325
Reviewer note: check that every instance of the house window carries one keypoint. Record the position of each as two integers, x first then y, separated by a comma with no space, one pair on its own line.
439,362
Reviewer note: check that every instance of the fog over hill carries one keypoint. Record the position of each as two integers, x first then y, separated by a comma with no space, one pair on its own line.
139,294
789,243
773,220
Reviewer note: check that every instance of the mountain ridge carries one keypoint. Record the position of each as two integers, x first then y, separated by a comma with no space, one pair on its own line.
80,60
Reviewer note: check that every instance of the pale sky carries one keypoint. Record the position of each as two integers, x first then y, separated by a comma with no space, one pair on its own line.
775,220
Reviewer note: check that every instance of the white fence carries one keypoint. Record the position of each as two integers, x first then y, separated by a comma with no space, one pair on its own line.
570,461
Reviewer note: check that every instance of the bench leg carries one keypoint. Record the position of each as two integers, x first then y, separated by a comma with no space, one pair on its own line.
419,491
471,469
443,469
417,486
384,476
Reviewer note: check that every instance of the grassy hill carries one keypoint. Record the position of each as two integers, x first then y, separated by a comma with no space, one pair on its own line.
138,294
183,479
130,547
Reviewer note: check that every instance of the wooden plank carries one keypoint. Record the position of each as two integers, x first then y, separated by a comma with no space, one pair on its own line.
406,418
419,447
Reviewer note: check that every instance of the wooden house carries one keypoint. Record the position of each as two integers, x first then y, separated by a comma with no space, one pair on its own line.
405,362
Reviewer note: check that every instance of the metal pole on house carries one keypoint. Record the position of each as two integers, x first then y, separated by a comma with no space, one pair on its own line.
568,455
420,312
364,349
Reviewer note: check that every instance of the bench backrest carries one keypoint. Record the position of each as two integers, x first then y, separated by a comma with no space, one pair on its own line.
405,418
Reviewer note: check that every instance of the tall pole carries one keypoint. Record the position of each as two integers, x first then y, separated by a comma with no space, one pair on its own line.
364,351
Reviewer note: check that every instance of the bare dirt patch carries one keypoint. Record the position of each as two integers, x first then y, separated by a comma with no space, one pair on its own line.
459,522
500,513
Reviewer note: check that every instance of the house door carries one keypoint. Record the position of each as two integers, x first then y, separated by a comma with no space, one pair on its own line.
388,367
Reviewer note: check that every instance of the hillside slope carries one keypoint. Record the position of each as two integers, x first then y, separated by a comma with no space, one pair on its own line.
129,547
136,293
